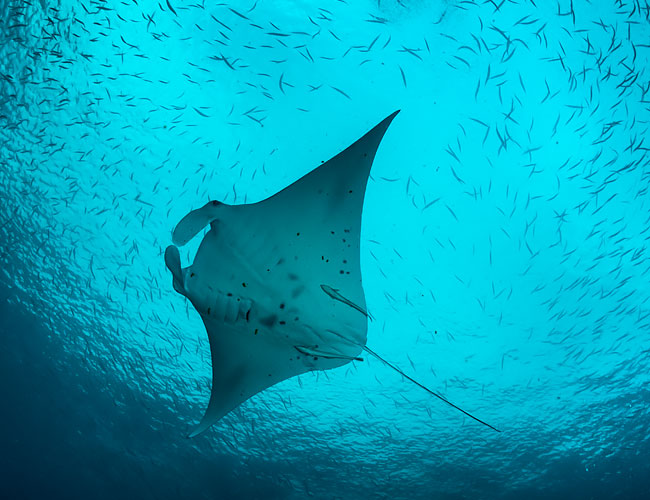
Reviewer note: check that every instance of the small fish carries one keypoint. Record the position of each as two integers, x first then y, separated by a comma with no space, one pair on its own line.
171,8
334,293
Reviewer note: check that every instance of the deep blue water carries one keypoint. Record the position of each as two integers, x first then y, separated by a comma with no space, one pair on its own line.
504,245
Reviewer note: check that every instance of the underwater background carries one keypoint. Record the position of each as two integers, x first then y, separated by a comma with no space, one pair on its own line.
504,245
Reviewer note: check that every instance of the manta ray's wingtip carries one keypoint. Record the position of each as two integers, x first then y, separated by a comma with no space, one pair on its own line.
390,117
383,125
201,427
195,432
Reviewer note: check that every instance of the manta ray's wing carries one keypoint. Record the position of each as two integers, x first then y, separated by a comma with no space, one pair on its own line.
278,283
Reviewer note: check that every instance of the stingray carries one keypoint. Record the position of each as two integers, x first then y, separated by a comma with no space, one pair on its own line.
278,283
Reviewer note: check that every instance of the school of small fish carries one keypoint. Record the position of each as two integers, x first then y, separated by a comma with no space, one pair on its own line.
505,236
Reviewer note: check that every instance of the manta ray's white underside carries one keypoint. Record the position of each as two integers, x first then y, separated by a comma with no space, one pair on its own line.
278,283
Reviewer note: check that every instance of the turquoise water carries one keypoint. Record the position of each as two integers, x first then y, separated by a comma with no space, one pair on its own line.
504,245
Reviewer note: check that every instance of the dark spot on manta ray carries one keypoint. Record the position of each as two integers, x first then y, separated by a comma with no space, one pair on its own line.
244,285
283,322
282,306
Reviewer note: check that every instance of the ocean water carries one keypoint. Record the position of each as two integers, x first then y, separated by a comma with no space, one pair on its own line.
504,247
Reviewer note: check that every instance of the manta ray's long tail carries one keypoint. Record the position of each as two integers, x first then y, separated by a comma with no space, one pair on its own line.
334,293
390,365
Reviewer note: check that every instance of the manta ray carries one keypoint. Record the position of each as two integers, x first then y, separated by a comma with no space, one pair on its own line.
278,283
